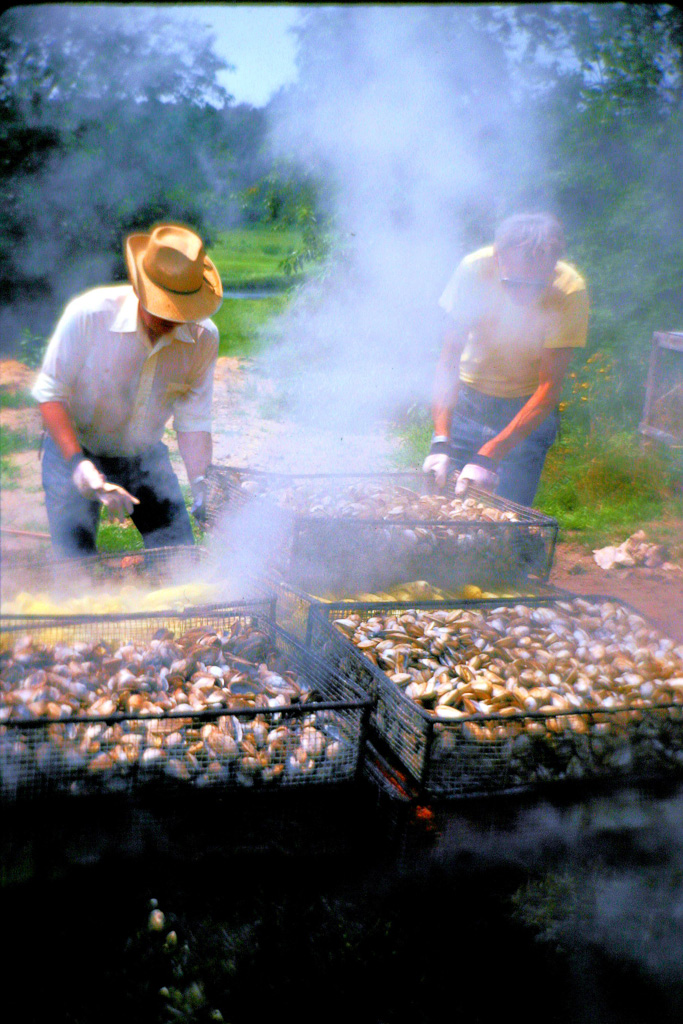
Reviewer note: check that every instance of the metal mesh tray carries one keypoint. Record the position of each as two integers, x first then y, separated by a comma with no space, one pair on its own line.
117,582
354,553
127,738
485,752
293,604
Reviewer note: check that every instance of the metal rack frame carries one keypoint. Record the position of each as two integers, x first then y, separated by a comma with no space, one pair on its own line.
31,764
371,553
472,769
671,341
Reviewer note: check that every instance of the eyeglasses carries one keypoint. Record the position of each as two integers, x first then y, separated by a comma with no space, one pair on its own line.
517,282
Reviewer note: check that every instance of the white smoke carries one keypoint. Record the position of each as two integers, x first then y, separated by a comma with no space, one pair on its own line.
603,872
409,111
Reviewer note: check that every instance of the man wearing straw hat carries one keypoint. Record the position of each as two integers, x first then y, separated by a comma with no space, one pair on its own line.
122,360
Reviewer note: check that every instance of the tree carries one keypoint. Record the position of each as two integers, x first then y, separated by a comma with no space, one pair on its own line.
612,115
111,119
437,121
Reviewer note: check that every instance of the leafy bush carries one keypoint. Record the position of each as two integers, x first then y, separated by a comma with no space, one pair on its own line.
592,482
597,481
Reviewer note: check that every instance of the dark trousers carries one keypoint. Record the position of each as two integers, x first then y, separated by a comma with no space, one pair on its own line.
161,516
477,418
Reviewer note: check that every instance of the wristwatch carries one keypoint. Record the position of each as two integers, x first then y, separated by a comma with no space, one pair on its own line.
441,445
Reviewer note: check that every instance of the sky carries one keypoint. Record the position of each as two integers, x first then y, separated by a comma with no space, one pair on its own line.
255,39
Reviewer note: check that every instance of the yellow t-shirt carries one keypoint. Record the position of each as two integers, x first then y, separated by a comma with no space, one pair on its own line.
502,353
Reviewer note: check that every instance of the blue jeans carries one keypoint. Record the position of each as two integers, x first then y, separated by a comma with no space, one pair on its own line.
477,418
161,516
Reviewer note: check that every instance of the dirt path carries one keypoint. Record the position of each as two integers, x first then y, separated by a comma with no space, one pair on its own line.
251,430
656,593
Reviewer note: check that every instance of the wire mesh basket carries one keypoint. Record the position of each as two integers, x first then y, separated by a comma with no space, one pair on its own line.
663,409
215,697
154,579
293,605
511,696
326,534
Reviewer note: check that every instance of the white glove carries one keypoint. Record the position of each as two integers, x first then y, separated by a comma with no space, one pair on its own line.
91,484
198,509
87,479
476,476
438,465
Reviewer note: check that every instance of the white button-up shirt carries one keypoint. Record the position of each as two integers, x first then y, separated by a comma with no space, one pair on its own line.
120,389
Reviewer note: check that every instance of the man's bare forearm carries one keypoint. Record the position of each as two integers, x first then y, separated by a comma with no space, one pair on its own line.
59,425
196,449
554,366
529,417
445,398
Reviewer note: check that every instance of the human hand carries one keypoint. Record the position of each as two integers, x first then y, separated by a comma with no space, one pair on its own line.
438,465
474,474
91,484
116,500
198,508
87,479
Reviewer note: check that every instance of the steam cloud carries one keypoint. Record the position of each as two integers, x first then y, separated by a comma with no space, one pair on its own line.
409,111
604,872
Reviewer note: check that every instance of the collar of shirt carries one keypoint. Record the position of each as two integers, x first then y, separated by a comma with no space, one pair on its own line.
127,321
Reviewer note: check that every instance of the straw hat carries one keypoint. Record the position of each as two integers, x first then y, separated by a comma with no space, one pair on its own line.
171,274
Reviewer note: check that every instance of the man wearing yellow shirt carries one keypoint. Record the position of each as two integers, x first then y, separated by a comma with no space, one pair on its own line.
518,313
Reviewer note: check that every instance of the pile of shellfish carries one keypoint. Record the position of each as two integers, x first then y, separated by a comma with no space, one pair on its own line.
369,534
374,500
155,684
588,680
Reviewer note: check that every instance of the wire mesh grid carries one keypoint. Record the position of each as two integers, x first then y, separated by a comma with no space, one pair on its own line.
214,697
294,605
481,751
663,409
354,549
166,578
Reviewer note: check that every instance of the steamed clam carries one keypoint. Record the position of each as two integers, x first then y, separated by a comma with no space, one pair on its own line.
372,499
536,687
162,683
449,540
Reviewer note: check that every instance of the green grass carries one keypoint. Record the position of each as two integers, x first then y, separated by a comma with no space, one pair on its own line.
600,488
118,537
241,323
12,441
21,399
115,536
9,474
413,433
251,258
